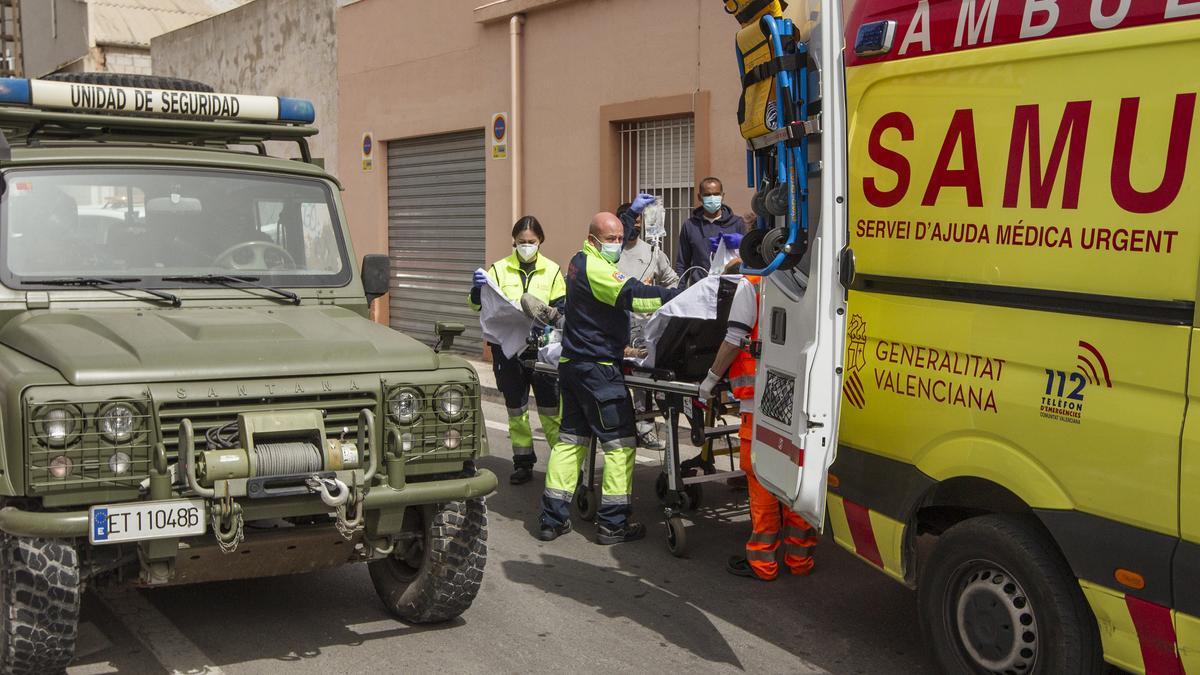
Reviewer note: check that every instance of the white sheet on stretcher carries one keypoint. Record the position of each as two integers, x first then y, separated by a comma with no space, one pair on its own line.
699,301
502,320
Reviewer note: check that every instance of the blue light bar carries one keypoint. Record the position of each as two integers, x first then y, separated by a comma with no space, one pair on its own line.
103,98
296,110
14,90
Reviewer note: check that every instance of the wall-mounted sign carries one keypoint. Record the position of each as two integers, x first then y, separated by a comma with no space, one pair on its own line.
499,134
368,152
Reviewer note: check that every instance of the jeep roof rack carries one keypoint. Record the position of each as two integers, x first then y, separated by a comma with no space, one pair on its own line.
36,110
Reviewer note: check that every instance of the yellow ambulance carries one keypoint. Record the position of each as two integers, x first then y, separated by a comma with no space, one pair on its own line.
1020,430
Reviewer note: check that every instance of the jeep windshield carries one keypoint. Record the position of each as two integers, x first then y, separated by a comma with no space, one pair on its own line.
164,225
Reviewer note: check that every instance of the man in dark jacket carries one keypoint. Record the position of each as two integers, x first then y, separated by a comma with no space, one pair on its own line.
710,219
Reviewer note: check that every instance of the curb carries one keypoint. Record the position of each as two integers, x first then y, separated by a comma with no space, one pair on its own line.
487,381
490,393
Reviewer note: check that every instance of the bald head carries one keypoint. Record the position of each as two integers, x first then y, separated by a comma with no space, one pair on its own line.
606,228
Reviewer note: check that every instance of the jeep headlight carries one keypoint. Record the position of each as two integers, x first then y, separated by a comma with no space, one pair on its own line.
404,405
117,422
451,403
57,425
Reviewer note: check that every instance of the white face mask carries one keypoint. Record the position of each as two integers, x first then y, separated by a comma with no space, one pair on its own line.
527,252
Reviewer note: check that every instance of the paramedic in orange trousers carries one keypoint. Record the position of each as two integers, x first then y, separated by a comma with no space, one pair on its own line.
767,514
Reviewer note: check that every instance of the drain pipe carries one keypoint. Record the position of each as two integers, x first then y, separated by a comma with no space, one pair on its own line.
515,121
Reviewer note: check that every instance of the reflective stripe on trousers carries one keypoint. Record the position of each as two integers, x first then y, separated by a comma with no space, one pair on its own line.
562,475
521,436
799,540
767,517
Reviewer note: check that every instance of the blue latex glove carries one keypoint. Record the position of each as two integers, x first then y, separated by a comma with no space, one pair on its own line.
479,279
713,243
641,201
733,240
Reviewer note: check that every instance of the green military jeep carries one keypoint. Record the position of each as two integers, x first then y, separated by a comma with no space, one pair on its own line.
190,388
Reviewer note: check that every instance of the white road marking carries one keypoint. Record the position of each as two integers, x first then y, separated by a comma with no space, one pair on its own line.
92,668
375,627
169,645
498,426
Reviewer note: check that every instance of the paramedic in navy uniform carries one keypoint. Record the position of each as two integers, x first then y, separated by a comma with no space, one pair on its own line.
595,401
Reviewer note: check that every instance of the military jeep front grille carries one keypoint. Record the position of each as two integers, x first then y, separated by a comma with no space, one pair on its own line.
341,412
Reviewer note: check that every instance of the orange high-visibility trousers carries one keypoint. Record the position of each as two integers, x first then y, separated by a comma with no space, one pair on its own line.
767,515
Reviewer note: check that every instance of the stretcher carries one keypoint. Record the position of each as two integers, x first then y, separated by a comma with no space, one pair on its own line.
777,117
679,487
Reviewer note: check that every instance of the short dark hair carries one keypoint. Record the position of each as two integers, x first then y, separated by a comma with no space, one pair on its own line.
711,179
623,209
529,223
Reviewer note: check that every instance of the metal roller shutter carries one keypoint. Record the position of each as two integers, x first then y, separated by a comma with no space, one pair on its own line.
435,232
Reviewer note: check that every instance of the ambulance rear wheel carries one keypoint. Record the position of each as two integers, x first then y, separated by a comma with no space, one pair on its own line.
996,596
130,80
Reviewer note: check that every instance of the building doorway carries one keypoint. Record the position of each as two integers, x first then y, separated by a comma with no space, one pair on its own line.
436,192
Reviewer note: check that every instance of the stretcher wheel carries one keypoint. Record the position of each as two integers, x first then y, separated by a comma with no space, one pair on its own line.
758,204
773,243
676,536
776,201
749,250
586,503
660,488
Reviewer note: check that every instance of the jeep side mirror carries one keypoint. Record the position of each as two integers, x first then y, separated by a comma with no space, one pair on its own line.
376,273
446,332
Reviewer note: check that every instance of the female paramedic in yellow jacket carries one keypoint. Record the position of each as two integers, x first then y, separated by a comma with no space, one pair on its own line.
525,271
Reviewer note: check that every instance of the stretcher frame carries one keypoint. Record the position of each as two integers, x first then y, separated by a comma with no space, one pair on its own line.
681,492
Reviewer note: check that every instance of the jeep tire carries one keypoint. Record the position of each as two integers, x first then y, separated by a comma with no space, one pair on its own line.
996,596
39,604
435,576
129,80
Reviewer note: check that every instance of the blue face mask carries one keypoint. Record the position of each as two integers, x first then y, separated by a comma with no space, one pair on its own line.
712,203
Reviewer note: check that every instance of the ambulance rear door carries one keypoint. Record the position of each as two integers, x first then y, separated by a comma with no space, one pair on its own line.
802,318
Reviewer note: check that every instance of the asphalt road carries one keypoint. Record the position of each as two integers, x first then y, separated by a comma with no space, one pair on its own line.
569,604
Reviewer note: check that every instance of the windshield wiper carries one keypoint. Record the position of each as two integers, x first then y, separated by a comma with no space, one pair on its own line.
235,282
111,283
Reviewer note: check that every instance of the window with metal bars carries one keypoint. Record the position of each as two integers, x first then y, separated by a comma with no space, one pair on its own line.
658,157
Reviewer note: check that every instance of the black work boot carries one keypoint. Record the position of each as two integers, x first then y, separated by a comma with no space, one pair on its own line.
631,532
550,532
520,475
